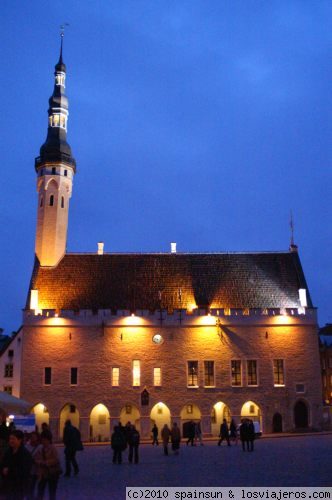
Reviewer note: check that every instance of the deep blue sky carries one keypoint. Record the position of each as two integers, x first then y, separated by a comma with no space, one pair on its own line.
202,122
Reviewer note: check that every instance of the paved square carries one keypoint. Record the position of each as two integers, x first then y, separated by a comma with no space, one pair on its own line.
286,461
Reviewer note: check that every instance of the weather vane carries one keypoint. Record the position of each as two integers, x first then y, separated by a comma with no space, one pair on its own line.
62,29
291,223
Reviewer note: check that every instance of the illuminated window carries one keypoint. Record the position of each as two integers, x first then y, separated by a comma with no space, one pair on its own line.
209,374
227,311
157,377
51,200
252,372
192,373
278,372
47,376
62,202
8,389
136,373
9,370
245,312
73,376
236,372
115,377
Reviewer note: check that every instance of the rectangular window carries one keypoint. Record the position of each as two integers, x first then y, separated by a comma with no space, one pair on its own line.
73,376
209,374
278,372
300,388
136,373
9,370
47,376
236,372
115,377
252,372
157,377
192,374
8,389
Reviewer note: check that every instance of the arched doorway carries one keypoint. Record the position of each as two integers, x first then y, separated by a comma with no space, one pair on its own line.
130,413
252,411
219,411
99,423
277,423
189,413
301,415
160,415
69,412
42,415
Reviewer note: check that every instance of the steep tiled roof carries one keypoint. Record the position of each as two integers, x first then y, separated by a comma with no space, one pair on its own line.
148,281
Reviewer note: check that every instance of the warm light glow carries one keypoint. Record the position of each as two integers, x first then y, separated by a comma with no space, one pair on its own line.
133,320
136,373
218,405
157,377
206,320
34,300
303,297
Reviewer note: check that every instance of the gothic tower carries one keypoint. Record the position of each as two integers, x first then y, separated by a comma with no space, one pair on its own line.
55,169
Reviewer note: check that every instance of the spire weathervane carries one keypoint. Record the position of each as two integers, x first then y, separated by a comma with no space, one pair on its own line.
291,223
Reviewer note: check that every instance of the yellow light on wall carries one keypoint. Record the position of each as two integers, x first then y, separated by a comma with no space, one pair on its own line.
34,300
136,373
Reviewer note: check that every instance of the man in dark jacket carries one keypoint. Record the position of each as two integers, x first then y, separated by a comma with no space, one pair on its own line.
244,434
224,433
16,466
133,441
73,443
251,435
118,443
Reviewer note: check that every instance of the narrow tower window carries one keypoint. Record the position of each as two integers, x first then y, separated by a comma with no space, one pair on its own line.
65,173
53,170
41,201
62,202
51,200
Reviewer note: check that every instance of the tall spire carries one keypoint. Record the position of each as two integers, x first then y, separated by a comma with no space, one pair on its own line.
56,147
292,247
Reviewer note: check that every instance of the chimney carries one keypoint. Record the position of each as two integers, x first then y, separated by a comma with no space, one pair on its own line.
173,247
100,248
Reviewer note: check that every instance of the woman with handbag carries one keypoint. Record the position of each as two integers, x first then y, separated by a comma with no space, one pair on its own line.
49,468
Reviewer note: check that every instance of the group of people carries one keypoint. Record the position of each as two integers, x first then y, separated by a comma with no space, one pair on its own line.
247,433
30,463
168,435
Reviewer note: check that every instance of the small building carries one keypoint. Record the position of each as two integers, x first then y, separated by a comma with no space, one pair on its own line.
160,338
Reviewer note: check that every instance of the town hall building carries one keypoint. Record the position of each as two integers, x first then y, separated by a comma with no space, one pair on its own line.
160,337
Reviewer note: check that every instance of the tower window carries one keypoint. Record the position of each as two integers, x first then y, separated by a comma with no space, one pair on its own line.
62,202
47,375
53,170
41,201
65,173
51,200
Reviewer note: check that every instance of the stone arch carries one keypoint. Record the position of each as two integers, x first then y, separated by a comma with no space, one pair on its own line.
99,423
220,410
160,415
42,415
68,412
301,414
277,422
130,413
252,410
51,185
189,413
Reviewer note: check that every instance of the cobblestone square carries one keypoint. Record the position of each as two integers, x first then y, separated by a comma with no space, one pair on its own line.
284,461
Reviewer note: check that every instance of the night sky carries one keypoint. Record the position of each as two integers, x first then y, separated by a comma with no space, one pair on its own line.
201,122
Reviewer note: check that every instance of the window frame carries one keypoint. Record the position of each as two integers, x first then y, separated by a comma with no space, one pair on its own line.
154,377
256,372
241,372
71,376
207,374
278,384
118,376
45,375
192,386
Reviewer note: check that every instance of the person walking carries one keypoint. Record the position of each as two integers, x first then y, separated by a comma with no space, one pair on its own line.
133,442
175,438
224,433
191,433
73,443
16,466
198,433
251,435
118,444
165,435
48,466
155,432
233,431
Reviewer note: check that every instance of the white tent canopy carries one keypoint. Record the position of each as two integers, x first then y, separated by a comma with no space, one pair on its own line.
11,404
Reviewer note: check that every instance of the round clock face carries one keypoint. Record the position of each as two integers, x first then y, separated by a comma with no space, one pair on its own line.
157,339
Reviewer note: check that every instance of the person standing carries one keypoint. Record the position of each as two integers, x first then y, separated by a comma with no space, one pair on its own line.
32,446
118,444
233,431
244,434
191,433
165,435
224,433
175,438
198,433
48,466
133,442
251,435
16,466
155,433
73,443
